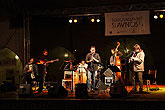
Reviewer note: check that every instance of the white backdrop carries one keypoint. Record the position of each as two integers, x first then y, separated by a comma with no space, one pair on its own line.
127,23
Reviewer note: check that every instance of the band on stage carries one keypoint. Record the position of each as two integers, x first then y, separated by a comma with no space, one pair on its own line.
89,68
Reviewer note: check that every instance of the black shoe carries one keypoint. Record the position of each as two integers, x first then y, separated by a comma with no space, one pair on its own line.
133,91
92,90
39,90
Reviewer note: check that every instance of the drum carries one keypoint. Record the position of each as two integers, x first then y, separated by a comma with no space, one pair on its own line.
79,78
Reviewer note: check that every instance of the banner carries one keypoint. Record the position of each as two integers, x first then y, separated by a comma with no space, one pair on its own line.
127,23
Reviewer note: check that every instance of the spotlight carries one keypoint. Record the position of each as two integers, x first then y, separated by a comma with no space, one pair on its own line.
161,16
16,57
66,55
70,21
98,20
75,20
92,20
155,17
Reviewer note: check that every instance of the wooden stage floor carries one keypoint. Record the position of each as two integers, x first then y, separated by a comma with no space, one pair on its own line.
148,100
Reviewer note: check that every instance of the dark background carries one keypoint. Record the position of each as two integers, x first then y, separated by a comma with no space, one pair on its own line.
51,32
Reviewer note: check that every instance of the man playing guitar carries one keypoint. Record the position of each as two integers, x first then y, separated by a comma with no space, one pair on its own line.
43,61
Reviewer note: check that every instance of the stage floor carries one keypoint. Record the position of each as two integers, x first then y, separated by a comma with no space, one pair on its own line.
148,100
150,95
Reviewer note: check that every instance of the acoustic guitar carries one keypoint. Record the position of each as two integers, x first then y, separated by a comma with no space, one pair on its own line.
46,62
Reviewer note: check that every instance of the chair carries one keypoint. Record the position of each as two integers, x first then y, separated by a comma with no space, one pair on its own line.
151,77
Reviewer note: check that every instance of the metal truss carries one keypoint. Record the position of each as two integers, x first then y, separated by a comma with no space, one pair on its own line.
99,9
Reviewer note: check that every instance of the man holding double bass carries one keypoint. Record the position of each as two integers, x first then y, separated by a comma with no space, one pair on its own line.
115,59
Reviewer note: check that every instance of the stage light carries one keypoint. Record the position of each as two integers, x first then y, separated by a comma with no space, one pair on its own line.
98,20
161,16
155,17
70,21
16,57
92,20
66,55
75,20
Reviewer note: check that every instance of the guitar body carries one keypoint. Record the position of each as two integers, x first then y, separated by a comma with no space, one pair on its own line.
41,62
45,63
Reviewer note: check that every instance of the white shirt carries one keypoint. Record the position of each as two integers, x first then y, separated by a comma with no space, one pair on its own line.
138,61
81,68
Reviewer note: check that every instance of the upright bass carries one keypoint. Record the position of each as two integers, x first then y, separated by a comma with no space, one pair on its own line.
117,62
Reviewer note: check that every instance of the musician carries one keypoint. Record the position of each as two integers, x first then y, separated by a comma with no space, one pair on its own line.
30,70
42,67
137,59
43,59
112,61
112,58
93,59
82,69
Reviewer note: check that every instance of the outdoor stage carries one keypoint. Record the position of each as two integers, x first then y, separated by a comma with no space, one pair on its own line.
151,100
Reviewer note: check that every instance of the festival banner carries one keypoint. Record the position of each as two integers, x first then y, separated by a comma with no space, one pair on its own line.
127,23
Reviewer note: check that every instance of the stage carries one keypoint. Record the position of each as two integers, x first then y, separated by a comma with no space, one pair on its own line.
148,100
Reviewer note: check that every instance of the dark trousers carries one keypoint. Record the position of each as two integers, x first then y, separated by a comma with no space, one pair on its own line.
28,78
40,79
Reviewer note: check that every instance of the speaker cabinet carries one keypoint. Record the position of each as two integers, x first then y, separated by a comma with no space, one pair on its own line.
24,90
81,90
56,90
101,86
118,90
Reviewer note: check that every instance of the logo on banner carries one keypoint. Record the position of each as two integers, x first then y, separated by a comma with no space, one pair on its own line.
127,23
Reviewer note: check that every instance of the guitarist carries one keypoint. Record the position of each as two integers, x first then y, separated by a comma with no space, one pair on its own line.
44,60
137,59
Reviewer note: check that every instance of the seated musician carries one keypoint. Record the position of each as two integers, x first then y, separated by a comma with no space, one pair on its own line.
30,70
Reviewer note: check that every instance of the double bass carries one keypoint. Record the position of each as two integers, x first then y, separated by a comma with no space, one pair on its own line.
117,62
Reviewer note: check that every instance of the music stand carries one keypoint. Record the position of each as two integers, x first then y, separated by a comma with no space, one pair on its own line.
114,68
